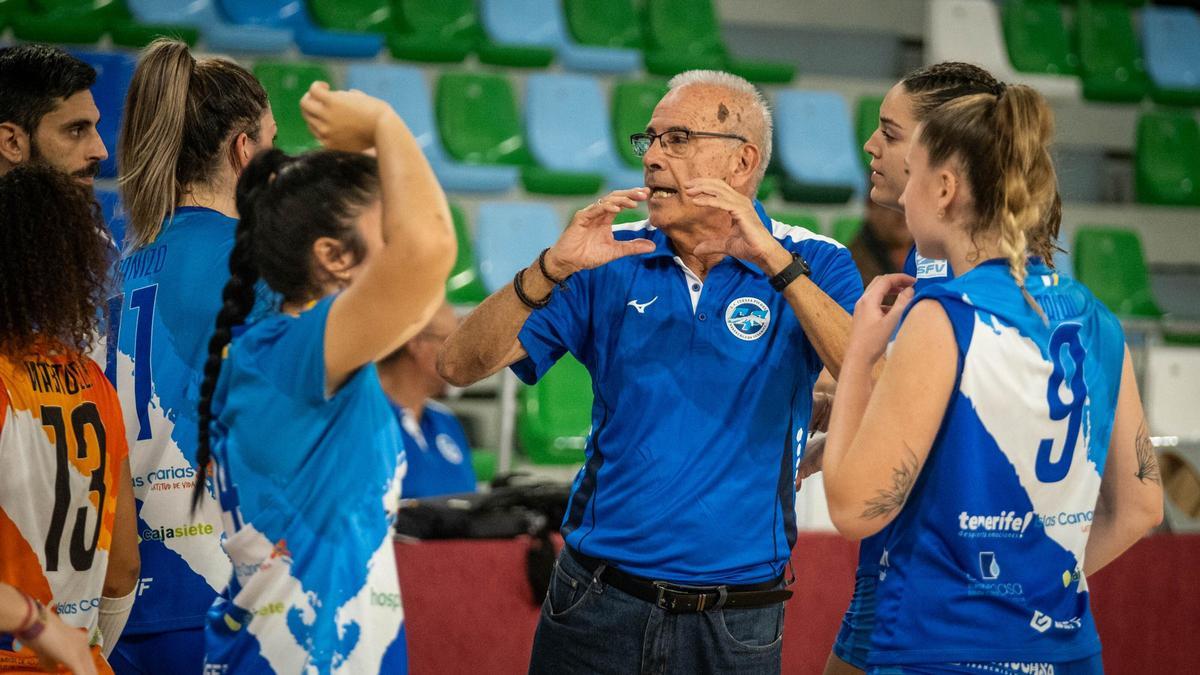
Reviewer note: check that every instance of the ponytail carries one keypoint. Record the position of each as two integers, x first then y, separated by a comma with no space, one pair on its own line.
237,298
1002,139
180,116
152,137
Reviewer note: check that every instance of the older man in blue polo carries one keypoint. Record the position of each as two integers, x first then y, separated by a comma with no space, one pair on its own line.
704,329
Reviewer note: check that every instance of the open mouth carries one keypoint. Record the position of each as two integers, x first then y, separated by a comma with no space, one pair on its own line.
659,192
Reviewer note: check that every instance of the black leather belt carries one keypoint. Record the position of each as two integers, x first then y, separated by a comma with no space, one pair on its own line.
680,599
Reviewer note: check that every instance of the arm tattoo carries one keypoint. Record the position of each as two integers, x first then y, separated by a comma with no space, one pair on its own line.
889,500
1147,463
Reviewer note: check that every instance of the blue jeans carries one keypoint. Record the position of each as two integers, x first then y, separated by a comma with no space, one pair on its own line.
589,627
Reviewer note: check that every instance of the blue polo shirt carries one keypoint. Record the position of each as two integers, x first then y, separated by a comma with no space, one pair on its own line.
702,397
439,456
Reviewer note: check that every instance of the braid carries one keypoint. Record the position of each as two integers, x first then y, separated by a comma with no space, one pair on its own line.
237,297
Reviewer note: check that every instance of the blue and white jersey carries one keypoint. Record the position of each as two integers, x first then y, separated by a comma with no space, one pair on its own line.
439,456
984,562
163,317
702,398
308,486
926,271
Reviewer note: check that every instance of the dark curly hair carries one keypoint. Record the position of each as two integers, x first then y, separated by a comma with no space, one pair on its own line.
54,260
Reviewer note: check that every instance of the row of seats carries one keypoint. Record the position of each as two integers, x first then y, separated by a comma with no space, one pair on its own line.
611,36
1100,55
570,140
566,138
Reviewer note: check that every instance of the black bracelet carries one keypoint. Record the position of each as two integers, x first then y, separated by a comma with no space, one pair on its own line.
796,269
519,288
561,283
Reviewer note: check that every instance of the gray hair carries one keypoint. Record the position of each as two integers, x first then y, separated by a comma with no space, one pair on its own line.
741,87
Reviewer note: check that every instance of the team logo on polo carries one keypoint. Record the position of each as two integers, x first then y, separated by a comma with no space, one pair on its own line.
747,318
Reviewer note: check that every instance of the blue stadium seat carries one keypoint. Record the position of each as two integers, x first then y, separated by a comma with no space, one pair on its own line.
540,23
310,38
404,88
567,127
217,34
509,236
110,205
815,144
114,70
1171,45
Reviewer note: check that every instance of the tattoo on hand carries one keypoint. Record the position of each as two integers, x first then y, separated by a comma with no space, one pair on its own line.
1147,463
889,500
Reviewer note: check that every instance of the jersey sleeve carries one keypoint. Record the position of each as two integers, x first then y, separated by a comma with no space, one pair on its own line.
293,357
560,327
834,272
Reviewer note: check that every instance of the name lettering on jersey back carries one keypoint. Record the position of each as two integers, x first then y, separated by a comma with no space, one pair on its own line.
58,378
143,263
1061,307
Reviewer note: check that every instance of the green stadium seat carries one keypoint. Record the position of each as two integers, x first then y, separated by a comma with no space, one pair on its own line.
464,286
363,16
286,83
130,33
440,32
554,416
846,228
803,219
768,187
633,105
1167,158
608,23
479,124
1110,262
685,34
484,463
629,216
1110,55
66,21
866,122
1037,38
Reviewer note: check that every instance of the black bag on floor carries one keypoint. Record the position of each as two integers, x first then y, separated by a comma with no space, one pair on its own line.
515,506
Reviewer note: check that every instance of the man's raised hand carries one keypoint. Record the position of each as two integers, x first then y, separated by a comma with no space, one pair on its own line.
588,241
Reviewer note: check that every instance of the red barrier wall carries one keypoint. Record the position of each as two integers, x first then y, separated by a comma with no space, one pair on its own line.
468,605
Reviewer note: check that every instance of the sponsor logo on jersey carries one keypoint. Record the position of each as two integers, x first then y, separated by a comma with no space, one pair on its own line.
747,318
1071,576
168,478
929,268
1004,525
388,600
164,533
989,572
1043,622
67,608
1064,518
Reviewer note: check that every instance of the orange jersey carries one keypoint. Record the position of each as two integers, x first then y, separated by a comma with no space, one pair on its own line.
62,446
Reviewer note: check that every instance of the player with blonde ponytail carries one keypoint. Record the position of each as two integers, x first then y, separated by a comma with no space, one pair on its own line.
1004,444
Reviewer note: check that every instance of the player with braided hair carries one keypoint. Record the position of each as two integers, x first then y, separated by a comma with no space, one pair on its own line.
1003,445
294,423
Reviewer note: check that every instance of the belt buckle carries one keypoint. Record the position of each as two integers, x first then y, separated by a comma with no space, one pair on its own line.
663,601
668,597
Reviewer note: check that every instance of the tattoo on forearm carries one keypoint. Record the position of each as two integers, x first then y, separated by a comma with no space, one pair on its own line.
1147,463
889,500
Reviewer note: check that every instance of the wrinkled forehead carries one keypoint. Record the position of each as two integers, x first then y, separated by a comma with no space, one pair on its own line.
700,107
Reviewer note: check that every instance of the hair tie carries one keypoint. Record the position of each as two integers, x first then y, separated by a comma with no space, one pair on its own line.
999,89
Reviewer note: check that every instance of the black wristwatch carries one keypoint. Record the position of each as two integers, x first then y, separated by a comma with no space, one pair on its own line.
793,271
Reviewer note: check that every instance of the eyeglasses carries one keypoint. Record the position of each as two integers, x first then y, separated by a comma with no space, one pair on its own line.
676,142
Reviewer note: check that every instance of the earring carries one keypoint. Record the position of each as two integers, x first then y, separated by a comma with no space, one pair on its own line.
941,213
